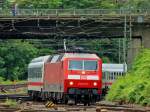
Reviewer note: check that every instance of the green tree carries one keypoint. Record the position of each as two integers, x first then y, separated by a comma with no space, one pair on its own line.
14,58
37,3
137,4
63,3
102,4
108,4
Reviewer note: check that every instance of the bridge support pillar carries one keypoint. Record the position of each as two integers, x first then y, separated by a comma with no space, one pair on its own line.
143,32
145,37
134,48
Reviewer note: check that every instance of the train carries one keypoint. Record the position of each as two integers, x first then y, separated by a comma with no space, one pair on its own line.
71,77
66,78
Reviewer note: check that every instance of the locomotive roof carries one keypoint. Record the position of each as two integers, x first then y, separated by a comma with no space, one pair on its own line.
80,55
39,61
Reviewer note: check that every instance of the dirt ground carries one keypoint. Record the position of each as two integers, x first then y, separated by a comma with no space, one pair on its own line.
31,106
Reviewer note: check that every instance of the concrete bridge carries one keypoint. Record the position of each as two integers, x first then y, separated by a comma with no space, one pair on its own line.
132,25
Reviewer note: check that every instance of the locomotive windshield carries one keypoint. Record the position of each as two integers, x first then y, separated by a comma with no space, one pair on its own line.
75,65
90,65
82,65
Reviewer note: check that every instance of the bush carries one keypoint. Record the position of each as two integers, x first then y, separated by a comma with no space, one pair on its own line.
135,86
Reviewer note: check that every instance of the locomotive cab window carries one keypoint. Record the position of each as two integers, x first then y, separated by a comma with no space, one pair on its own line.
83,65
90,65
75,65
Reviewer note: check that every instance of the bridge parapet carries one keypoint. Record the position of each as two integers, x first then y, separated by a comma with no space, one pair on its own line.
72,12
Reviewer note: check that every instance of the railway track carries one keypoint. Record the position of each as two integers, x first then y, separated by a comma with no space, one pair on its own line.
31,106
7,108
60,108
13,86
15,96
40,106
93,108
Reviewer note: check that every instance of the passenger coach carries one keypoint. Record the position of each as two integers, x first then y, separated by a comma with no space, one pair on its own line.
111,72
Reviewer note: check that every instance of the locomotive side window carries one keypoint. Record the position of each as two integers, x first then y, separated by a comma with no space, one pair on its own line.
75,65
35,73
90,65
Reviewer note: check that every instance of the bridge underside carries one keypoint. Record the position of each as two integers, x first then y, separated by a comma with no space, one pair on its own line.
40,28
64,23
76,27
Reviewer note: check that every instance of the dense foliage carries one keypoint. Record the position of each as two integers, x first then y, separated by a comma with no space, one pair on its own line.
135,86
111,4
14,58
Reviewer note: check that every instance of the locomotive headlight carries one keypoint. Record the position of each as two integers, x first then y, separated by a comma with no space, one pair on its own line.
83,72
71,83
95,83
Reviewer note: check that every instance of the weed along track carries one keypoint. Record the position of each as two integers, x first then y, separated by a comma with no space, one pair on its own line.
115,107
6,107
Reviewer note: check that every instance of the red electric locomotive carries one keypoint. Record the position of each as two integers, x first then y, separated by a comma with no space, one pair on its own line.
69,77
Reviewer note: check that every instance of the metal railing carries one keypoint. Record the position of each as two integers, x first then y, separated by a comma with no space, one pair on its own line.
70,12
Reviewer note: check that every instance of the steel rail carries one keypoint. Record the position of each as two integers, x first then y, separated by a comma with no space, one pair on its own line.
13,86
14,96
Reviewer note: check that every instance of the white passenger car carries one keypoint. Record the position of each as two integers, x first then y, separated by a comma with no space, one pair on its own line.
111,72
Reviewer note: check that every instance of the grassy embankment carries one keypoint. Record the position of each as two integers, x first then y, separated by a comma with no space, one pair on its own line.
135,86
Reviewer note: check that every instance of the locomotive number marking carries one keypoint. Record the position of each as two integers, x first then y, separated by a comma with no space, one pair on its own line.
83,77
